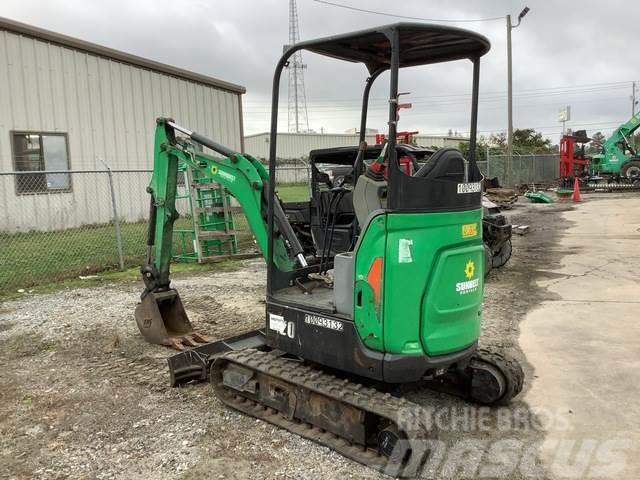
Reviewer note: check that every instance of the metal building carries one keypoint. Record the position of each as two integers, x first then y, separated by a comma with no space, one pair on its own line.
66,104
296,146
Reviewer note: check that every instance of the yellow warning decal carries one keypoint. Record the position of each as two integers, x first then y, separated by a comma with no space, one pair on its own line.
470,230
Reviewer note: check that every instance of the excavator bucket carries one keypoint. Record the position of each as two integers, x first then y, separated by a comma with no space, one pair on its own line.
162,320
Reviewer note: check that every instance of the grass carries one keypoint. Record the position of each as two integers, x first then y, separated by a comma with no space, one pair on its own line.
41,258
294,193
108,277
44,261
34,258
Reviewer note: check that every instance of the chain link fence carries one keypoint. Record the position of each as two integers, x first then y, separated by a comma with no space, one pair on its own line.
58,225
524,169
293,173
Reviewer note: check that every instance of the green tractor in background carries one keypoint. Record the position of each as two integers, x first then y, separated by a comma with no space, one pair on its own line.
619,161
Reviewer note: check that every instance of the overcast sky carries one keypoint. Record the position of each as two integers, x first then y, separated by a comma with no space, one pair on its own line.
565,53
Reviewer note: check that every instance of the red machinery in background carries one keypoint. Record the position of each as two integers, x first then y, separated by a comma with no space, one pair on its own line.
573,161
402,137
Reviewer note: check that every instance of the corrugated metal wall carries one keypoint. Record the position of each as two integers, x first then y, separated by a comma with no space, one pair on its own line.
108,109
298,145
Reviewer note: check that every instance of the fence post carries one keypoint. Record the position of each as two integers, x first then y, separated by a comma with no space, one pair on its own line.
307,168
116,220
488,163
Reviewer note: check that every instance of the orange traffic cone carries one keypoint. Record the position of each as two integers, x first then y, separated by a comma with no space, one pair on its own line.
576,190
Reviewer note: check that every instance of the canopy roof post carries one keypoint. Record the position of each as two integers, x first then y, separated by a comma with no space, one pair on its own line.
394,66
473,129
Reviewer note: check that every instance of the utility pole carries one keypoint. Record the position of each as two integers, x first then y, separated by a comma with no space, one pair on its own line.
510,26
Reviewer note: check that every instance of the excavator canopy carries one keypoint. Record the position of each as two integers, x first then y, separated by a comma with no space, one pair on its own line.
419,44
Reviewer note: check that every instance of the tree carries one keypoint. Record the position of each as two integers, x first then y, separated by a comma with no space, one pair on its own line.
499,141
597,139
527,140
483,145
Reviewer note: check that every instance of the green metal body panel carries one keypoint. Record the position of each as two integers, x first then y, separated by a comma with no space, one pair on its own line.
368,316
432,283
613,156
242,176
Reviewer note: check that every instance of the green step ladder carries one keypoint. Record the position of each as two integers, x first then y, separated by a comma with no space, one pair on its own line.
209,230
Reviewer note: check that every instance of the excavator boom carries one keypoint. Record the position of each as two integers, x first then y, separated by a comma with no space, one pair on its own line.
160,315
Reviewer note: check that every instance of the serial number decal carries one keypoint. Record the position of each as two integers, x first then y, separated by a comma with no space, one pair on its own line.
323,322
474,187
280,325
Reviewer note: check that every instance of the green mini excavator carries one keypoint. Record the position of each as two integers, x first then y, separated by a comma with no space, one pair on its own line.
375,283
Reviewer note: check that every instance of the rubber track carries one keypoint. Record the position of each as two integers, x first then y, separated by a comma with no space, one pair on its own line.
509,366
367,399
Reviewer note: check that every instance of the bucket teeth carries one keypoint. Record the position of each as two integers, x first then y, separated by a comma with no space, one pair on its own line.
191,340
201,338
175,343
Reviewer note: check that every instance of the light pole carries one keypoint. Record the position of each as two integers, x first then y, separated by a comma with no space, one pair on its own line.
510,92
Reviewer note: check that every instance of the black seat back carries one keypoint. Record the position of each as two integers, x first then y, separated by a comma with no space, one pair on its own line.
445,164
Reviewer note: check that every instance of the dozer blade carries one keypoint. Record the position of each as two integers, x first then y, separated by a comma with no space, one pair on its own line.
162,320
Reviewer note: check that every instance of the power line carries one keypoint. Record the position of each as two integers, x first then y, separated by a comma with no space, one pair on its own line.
550,128
584,88
382,106
406,17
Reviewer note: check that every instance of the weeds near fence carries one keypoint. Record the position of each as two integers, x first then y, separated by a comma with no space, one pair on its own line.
38,258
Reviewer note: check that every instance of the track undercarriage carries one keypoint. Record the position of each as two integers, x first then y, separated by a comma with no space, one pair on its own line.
367,422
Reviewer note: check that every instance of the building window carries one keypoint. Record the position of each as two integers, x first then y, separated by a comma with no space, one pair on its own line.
41,152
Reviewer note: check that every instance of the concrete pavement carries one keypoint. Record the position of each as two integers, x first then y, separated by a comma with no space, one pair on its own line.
584,344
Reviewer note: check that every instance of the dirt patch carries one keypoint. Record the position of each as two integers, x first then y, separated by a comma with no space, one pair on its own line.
83,396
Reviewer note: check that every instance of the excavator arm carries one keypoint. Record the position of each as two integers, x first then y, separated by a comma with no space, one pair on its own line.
623,134
160,315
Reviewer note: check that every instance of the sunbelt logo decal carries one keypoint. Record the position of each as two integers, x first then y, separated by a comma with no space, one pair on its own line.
471,284
470,269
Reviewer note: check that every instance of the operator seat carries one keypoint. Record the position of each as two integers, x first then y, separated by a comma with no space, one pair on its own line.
445,164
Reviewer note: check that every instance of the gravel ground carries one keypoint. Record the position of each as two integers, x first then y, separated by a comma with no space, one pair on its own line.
83,396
